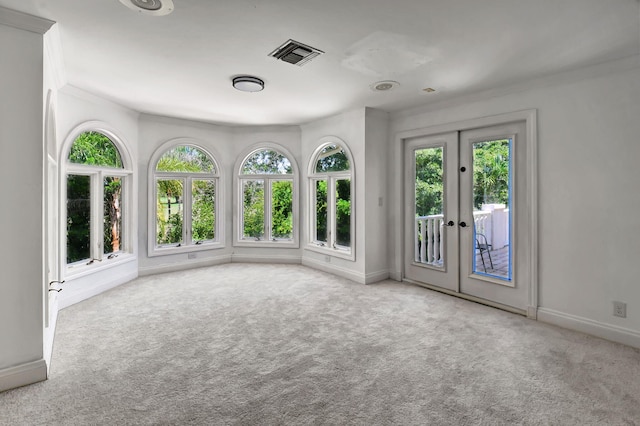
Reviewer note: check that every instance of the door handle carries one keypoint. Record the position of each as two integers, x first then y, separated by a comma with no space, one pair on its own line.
451,223
463,224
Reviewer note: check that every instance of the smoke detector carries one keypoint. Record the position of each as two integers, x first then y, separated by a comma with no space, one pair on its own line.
295,53
150,7
384,86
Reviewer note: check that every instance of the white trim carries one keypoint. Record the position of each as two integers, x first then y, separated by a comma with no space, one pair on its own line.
348,253
183,265
374,277
266,258
69,297
530,118
217,177
54,55
129,206
50,330
22,375
24,21
238,241
335,270
610,332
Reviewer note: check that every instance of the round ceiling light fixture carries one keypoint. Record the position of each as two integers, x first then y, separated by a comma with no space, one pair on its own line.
150,7
247,83
384,86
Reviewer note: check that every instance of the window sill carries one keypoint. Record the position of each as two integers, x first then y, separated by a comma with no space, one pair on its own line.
267,244
163,251
82,269
334,252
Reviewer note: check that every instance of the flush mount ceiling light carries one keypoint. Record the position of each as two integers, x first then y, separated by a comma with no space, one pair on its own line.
384,86
247,83
150,7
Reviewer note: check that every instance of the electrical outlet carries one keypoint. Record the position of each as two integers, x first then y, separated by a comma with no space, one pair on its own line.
620,309
192,255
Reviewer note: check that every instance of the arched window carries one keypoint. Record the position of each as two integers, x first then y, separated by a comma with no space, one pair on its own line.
97,214
331,207
184,202
267,198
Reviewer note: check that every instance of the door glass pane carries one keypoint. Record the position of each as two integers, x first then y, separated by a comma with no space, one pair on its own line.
203,220
78,218
170,211
492,194
112,205
253,209
343,212
321,211
429,222
282,209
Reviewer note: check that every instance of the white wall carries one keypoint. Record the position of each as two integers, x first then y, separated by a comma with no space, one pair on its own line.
588,152
376,238
21,186
350,127
76,107
227,145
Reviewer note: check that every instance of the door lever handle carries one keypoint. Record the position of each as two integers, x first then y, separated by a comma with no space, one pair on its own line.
463,225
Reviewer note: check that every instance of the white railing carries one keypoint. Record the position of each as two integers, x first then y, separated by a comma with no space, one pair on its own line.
492,221
428,241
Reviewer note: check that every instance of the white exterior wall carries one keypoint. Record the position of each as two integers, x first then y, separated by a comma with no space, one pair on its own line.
588,200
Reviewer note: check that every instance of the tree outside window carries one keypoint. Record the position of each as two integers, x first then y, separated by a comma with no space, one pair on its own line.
266,193
185,198
331,186
94,186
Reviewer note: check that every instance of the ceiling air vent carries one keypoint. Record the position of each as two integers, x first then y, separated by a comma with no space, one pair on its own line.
295,53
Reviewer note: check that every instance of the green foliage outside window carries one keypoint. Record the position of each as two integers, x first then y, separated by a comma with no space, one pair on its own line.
490,176
253,209
170,198
93,149
343,212
282,209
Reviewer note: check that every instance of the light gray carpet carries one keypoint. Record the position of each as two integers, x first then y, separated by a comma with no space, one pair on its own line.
282,344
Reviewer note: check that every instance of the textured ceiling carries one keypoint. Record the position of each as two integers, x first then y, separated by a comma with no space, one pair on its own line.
181,64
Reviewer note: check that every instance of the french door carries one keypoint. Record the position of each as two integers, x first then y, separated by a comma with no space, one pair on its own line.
466,214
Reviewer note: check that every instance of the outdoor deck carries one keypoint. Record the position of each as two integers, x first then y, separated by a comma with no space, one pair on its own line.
500,258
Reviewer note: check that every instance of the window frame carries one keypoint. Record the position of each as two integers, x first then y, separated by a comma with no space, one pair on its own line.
98,260
187,246
267,179
330,247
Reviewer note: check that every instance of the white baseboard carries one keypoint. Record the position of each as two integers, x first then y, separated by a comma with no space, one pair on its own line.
336,270
183,265
266,258
395,275
374,277
22,375
595,328
73,295
49,332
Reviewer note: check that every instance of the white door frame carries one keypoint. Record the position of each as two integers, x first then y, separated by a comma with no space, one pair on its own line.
398,203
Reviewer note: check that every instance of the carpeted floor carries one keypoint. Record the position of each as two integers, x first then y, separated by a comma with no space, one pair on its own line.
284,344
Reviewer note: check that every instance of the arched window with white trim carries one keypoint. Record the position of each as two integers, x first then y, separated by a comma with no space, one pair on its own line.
331,186
97,188
267,197
184,194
